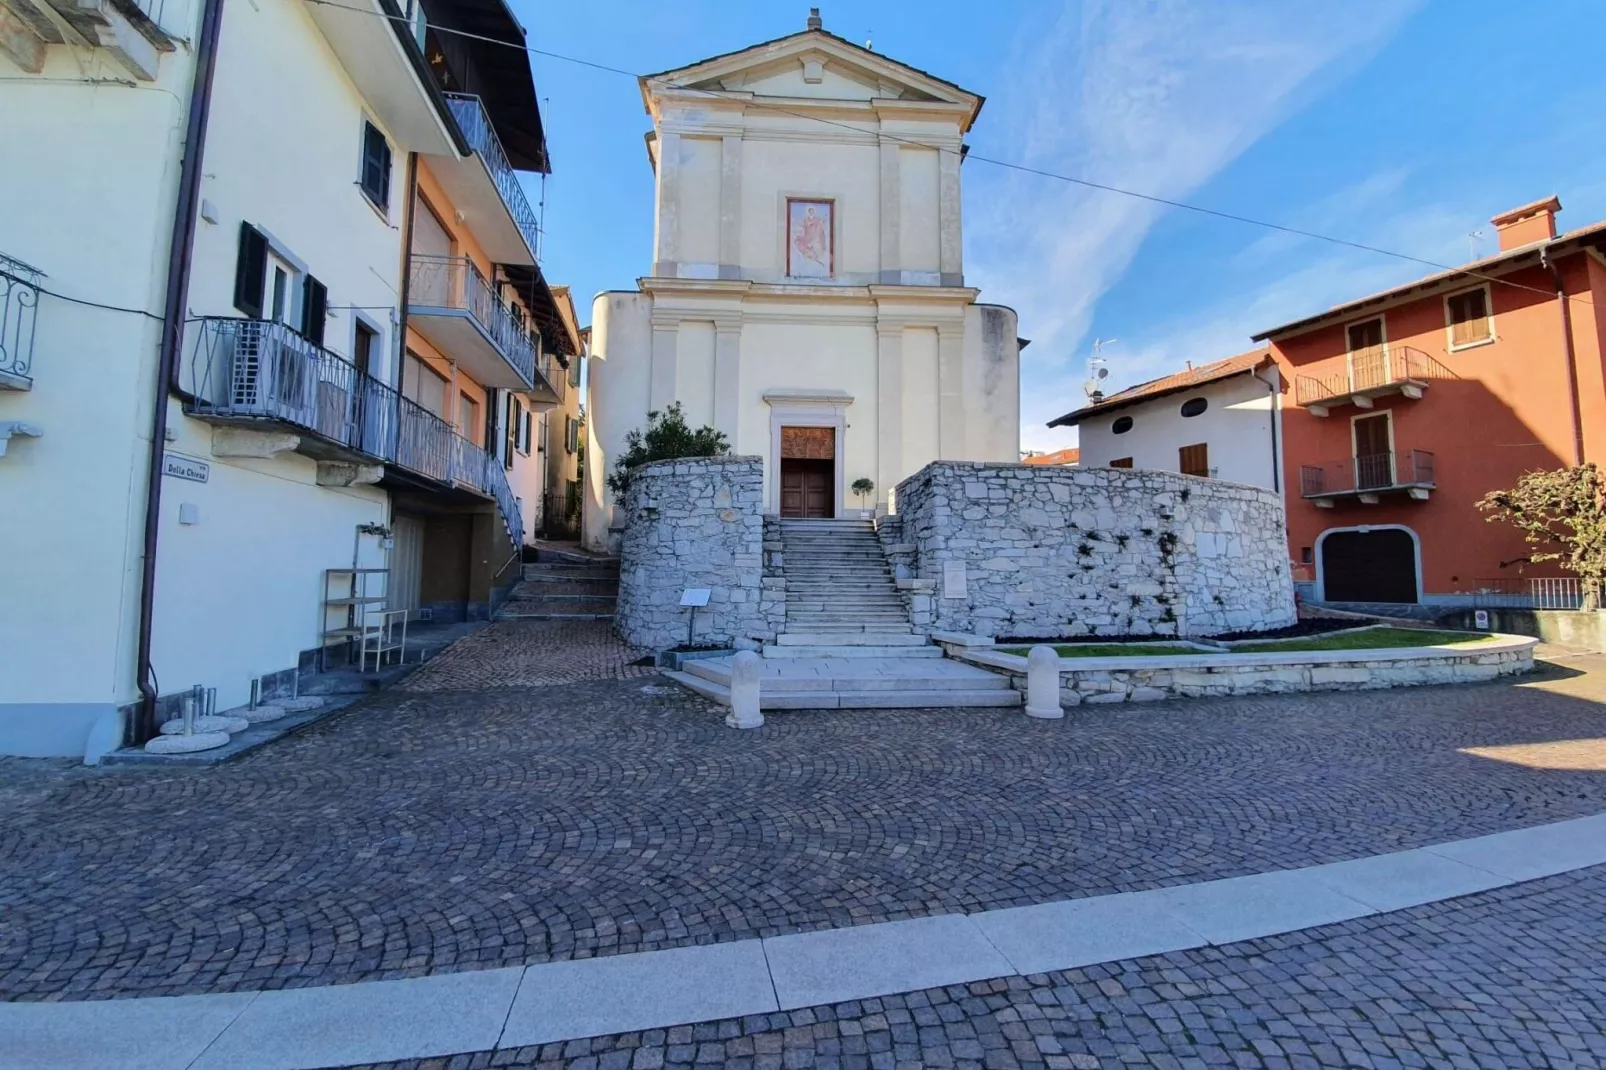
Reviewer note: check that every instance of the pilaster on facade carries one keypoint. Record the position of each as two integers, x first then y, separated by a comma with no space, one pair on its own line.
730,207
889,407
666,240
951,389
951,265
727,370
665,350
891,205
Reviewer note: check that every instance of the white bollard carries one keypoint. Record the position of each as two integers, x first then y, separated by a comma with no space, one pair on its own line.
746,668
1043,683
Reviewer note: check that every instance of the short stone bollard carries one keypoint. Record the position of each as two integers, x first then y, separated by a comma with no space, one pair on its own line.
746,668
1043,683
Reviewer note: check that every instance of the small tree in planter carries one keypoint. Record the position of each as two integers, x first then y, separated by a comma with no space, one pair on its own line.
1563,512
863,487
666,438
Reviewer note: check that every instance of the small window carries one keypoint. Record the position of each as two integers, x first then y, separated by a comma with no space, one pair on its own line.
375,175
468,417
1305,555
1121,426
362,347
1123,462
1366,336
1194,406
1468,317
571,434
1194,460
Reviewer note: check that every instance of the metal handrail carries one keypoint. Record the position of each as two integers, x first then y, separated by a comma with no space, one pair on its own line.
475,122
19,316
1368,472
262,369
455,282
1369,369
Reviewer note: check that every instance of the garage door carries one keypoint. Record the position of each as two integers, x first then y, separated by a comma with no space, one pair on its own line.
1369,566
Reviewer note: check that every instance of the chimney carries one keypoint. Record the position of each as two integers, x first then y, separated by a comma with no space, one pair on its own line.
1530,223
814,22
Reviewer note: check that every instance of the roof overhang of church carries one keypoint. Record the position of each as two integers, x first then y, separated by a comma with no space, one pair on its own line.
732,75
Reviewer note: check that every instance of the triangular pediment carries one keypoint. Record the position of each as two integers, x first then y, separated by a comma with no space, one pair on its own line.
815,64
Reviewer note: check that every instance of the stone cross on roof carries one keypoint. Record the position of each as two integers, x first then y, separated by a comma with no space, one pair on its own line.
814,22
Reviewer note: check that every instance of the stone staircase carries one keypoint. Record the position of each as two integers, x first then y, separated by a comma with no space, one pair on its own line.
564,586
847,642
841,601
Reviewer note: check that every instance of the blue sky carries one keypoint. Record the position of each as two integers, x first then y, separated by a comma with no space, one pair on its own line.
1399,123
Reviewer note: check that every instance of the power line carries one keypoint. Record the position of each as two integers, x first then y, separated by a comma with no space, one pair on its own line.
78,300
1009,165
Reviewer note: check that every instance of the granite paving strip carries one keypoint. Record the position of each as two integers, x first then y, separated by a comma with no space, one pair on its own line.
561,1002
1513,977
494,826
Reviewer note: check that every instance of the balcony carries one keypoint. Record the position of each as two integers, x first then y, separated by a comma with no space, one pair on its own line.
126,29
1369,373
486,189
19,314
450,303
1366,479
263,375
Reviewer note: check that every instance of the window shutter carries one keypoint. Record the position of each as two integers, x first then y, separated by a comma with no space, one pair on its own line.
1194,460
490,420
314,309
250,271
375,165
510,437
528,421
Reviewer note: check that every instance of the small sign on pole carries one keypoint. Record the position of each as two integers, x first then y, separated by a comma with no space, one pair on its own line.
693,597
1480,619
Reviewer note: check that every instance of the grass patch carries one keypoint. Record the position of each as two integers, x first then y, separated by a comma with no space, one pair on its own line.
1374,639
1111,650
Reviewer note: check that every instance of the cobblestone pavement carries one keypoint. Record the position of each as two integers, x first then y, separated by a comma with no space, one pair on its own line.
1511,978
449,830
525,653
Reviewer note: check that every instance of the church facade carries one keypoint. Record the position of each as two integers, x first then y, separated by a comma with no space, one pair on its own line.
807,293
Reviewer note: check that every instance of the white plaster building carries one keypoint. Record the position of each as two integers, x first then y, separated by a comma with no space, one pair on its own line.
807,293
1221,420
244,172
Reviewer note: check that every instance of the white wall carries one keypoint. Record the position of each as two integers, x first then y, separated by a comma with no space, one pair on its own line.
1237,426
239,593
90,204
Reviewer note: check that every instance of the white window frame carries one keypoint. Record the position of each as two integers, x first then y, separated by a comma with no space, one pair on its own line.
1488,319
1349,351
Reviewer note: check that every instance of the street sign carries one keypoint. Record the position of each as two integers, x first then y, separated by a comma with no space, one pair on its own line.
181,467
695,596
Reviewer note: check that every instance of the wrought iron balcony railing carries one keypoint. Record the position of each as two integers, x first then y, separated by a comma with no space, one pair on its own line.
1372,473
1371,371
475,123
19,315
453,282
240,370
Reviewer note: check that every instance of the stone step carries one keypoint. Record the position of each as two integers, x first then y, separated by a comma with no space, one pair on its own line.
513,613
563,588
568,572
828,620
843,637
850,651
915,674
855,700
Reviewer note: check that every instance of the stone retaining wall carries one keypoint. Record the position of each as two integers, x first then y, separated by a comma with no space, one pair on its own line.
696,522
1040,551
1214,676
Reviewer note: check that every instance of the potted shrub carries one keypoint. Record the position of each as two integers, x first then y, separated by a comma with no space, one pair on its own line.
863,487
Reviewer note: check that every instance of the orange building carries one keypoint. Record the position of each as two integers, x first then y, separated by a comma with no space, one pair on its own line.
1402,409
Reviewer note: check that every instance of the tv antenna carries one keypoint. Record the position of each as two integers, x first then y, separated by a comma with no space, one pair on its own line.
1473,242
1097,371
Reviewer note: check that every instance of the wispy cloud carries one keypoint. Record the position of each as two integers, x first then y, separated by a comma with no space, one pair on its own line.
1157,97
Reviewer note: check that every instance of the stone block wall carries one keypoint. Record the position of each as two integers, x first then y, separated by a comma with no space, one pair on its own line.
696,522
1051,552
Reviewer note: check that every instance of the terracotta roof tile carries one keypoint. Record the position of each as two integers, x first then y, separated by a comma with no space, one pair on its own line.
1069,456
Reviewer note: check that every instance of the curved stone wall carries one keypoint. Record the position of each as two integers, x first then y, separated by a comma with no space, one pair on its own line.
1049,552
695,522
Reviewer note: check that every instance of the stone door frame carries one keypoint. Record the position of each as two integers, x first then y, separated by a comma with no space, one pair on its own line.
806,408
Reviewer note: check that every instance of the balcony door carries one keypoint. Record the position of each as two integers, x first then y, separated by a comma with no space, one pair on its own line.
1374,457
1368,356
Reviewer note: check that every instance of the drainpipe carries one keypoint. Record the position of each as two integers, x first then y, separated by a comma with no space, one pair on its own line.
1271,397
406,281
1567,350
179,252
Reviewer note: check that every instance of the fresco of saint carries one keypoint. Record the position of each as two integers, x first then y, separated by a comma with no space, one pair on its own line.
809,252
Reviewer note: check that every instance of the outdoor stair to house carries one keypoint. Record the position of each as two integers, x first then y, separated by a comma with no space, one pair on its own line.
847,642
564,586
